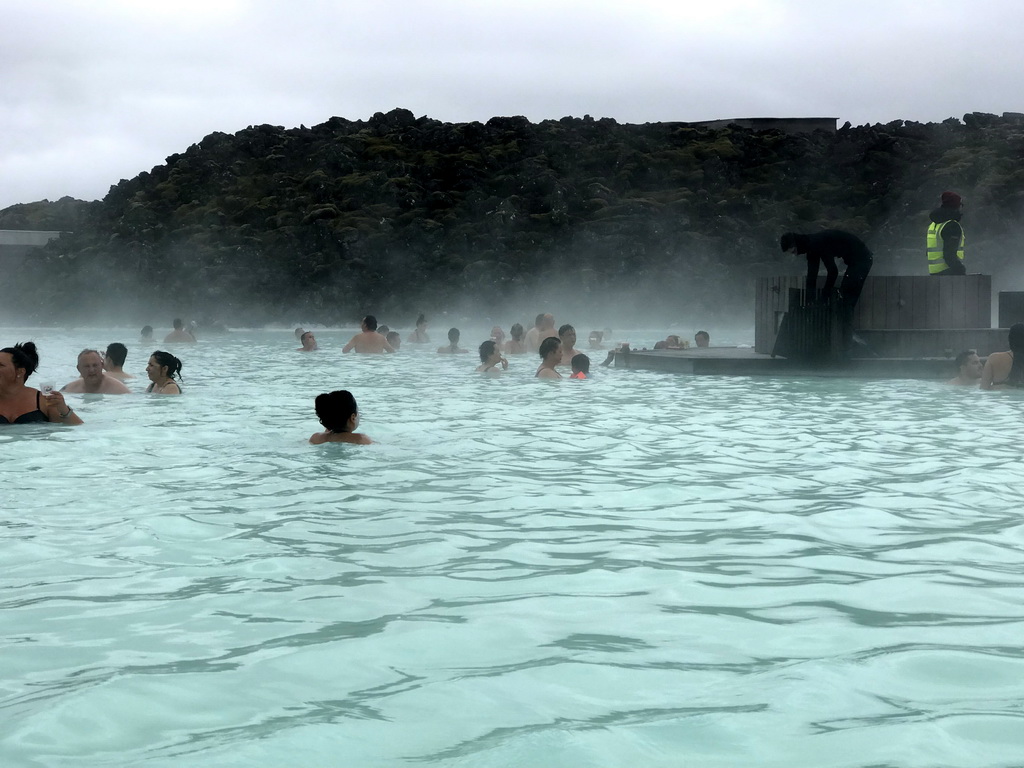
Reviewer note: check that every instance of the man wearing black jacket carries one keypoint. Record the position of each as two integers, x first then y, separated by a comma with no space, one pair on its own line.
824,248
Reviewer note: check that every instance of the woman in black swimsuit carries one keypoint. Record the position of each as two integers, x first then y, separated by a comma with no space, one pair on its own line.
20,404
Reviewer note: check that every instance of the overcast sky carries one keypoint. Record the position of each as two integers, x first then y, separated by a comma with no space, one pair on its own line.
93,92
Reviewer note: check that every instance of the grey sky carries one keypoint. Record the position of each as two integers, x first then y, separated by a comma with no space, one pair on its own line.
91,93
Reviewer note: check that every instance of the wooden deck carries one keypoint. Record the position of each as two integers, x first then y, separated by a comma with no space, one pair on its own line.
735,361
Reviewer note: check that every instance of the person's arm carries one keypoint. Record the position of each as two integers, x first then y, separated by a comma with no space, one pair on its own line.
59,412
388,347
350,346
987,374
951,234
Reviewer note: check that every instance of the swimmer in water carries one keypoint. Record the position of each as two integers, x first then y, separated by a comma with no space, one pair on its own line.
490,358
368,341
515,345
580,366
419,335
551,355
339,414
453,347
308,342
161,369
1006,369
969,366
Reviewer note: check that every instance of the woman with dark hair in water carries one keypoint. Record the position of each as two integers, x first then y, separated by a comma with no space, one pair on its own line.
1006,369
339,414
21,404
490,358
162,368
419,336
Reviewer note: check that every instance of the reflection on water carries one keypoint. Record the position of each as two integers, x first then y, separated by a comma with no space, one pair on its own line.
641,569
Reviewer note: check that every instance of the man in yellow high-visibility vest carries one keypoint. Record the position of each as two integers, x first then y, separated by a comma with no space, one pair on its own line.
945,243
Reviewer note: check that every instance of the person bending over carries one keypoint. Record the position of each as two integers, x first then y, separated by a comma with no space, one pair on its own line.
824,248
339,414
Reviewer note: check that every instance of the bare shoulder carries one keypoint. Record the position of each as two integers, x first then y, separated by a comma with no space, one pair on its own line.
73,386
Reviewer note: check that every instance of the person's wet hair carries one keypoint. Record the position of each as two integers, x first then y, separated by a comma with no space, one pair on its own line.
117,352
394,339
453,335
1017,338
565,329
334,409
486,350
370,322
1016,376
421,320
964,356
24,356
90,351
383,330
516,332
548,346
304,335
178,323
580,362
167,359
539,320
146,332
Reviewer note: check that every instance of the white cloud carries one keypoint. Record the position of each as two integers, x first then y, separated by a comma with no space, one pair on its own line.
91,93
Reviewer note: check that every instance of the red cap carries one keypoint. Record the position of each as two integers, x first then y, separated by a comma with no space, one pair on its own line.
951,200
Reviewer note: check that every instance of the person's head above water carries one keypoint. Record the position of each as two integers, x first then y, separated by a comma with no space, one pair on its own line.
116,353
337,411
23,357
968,364
516,332
146,332
166,365
703,338
453,336
1017,338
178,323
580,363
549,346
487,349
369,323
394,339
568,335
421,320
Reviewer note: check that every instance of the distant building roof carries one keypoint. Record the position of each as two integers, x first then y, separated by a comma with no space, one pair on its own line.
27,236
784,124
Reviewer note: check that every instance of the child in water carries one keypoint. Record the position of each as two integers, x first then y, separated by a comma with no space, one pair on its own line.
580,366
338,413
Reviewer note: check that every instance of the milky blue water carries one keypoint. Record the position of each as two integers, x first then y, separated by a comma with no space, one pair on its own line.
643,569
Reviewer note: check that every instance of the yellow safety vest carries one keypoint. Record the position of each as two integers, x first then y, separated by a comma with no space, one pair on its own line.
936,263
